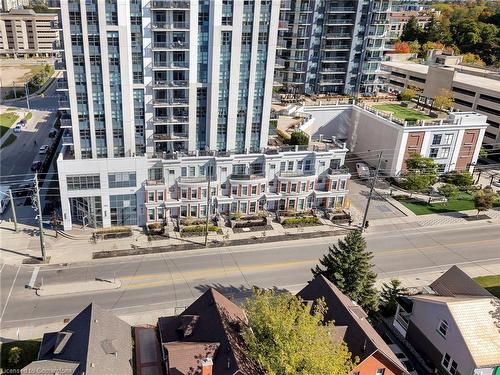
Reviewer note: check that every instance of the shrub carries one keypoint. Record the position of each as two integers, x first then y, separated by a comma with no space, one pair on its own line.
199,229
14,355
154,226
448,191
299,138
299,221
460,179
407,95
113,230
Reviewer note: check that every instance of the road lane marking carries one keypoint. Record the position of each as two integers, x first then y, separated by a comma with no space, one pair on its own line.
33,277
3,265
10,292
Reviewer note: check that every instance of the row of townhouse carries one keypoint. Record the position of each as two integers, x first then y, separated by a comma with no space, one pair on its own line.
140,190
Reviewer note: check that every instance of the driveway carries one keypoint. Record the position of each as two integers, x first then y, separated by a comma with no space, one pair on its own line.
358,196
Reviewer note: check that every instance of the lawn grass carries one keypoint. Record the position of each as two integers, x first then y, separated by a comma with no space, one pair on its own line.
402,113
6,121
462,203
490,283
29,116
29,354
10,139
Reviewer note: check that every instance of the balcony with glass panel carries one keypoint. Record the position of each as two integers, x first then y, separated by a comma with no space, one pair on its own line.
170,98
62,84
335,21
337,47
65,120
167,116
67,137
170,4
165,133
64,101
164,41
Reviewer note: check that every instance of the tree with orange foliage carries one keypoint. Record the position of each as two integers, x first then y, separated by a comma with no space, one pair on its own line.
401,47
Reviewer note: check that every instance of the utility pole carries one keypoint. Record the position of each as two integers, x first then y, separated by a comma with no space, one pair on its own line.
26,91
13,210
208,204
39,209
374,181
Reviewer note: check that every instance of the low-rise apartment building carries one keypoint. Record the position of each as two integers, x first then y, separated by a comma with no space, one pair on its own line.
139,190
453,142
400,19
474,89
24,33
454,325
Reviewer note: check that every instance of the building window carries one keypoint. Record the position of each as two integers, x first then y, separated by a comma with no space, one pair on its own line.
436,139
443,327
445,152
121,179
194,193
433,152
151,214
160,196
254,189
244,190
151,196
449,364
380,371
283,187
448,138
184,193
123,209
83,182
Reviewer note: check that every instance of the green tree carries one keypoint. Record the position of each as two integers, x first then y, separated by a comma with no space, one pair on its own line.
414,46
483,199
483,153
299,138
459,178
14,355
449,191
407,94
348,265
472,59
389,294
412,31
287,338
444,99
433,30
421,173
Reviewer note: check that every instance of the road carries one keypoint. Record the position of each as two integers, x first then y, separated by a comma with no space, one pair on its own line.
173,280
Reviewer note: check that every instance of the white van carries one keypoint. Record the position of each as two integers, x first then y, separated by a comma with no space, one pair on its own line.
362,170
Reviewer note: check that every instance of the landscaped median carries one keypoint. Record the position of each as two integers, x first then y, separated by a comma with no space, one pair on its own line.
291,219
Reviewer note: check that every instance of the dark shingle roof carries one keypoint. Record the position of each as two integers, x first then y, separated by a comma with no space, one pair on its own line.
211,319
456,282
360,337
95,339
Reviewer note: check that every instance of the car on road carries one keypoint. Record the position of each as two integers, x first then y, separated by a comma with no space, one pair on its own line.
403,358
43,149
18,128
362,170
53,133
35,166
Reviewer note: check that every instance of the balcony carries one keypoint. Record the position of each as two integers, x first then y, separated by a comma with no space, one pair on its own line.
335,59
161,25
53,4
291,174
246,177
56,25
67,137
339,21
62,84
173,102
170,120
337,47
60,65
279,63
283,25
281,44
170,137
65,120
170,45
338,171
338,35
171,64
63,103
286,5
58,45
340,9
328,70
331,82
160,84
170,4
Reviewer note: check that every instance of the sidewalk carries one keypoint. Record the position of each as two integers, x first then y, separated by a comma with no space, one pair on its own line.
76,245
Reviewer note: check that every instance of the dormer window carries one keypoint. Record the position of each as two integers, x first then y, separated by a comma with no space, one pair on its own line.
443,327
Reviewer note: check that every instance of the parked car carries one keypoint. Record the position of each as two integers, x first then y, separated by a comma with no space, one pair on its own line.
22,122
43,149
53,133
362,170
18,128
403,358
35,166
22,190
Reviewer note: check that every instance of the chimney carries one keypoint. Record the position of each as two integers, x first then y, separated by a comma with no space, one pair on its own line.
206,366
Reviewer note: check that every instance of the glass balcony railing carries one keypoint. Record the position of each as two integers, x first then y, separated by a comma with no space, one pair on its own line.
171,45
170,64
170,4
169,25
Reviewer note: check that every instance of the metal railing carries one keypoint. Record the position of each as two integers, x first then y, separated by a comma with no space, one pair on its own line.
340,9
171,83
170,137
171,101
170,120
169,25
171,45
170,64
170,4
